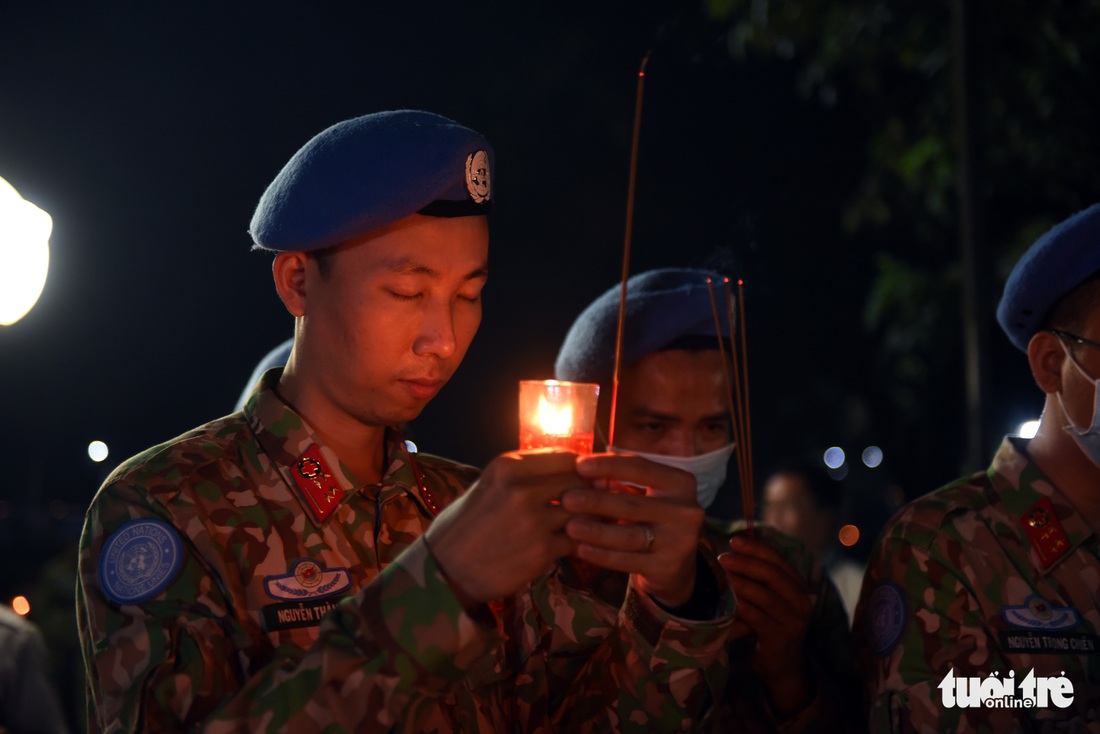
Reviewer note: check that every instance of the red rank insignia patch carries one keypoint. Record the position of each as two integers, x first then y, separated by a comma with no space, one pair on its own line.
1045,532
316,483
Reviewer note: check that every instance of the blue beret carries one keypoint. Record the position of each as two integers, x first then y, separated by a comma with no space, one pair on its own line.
277,357
661,306
362,174
1064,257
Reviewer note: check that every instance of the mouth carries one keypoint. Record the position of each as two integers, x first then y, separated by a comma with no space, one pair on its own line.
422,389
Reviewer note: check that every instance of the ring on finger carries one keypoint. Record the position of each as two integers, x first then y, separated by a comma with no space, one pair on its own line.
648,537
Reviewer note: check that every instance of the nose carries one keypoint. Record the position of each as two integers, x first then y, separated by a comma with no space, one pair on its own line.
680,443
436,335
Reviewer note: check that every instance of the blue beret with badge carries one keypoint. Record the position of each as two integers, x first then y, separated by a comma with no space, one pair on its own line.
1064,257
365,173
661,306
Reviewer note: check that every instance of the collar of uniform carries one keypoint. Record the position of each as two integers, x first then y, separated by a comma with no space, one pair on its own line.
287,438
1021,485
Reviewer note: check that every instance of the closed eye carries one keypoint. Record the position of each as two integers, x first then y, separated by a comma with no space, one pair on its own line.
404,296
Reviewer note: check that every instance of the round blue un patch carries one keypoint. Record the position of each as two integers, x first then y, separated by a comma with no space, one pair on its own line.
887,615
139,561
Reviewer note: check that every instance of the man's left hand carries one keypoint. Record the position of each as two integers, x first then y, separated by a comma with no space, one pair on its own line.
654,536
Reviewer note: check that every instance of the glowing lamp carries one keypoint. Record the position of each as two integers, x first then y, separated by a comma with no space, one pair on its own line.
556,414
24,250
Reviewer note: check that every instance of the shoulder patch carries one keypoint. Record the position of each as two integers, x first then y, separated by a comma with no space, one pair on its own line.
139,560
887,616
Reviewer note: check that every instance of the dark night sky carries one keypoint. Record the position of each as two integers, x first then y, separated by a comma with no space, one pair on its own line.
149,130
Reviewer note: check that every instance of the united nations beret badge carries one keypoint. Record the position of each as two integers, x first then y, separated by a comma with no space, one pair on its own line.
477,176
139,561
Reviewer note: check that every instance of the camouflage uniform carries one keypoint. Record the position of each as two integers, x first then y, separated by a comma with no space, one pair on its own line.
996,573
741,701
279,621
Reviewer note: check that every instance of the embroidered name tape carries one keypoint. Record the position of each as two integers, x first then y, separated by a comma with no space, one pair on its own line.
139,560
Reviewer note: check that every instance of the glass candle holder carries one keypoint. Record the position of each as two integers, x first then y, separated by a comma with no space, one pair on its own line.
556,414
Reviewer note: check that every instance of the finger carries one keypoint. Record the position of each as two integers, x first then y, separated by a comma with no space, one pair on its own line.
616,560
632,508
780,611
765,564
662,480
763,551
539,476
637,538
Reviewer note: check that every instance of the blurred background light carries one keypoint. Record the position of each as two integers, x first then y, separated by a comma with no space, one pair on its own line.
97,451
848,535
834,457
1028,429
24,251
872,457
21,606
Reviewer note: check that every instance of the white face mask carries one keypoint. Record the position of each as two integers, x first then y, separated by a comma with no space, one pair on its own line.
1087,438
708,469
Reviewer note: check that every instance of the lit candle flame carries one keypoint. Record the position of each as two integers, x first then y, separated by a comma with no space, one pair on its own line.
555,421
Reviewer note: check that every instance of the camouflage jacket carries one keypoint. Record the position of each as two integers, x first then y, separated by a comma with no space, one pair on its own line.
741,700
993,577
237,579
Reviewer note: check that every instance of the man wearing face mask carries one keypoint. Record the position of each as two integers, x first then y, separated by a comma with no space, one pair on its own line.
996,575
791,666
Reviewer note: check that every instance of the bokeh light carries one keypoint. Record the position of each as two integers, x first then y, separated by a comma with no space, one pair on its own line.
97,451
1028,429
834,457
21,606
848,535
24,250
872,457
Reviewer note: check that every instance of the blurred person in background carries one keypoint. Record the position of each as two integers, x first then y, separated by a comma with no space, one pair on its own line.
29,703
802,500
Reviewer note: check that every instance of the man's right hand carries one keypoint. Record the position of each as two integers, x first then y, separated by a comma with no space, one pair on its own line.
508,528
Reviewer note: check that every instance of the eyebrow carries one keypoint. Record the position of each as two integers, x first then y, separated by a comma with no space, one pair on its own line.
408,266
644,412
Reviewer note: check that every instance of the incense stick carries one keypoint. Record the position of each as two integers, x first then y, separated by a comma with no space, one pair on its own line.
748,409
734,423
741,398
626,249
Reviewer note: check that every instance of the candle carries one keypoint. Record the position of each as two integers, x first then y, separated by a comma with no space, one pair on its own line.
556,414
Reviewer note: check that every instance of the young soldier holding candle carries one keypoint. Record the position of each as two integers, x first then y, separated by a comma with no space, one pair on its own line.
292,567
791,666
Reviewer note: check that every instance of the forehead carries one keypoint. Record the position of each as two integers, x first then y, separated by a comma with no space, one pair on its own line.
420,244
675,382
787,487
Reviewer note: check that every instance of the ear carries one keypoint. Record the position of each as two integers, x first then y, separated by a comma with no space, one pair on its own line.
289,271
1046,357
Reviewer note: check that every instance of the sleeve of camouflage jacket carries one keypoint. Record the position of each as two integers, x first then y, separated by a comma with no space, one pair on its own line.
175,661
937,626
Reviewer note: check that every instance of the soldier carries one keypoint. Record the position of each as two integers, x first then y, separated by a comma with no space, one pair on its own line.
28,700
979,610
791,666
802,500
293,567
